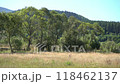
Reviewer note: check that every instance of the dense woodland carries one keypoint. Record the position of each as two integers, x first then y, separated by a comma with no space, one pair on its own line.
30,26
109,27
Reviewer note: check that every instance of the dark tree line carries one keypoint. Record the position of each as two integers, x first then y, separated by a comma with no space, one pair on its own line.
110,27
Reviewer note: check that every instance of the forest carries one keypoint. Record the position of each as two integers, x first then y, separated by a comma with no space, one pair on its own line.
23,29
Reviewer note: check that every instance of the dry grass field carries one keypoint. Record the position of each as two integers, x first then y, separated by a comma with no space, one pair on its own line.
60,60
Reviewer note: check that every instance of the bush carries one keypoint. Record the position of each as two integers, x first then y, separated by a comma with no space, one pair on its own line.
110,46
17,44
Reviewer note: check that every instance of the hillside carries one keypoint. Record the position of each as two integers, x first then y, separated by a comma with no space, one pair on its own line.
5,10
79,17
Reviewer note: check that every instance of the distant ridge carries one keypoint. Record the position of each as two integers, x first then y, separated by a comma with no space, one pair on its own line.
2,9
79,17
68,14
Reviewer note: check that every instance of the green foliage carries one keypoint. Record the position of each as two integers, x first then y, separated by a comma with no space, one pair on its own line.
10,23
109,27
71,38
110,37
110,46
95,44
69,14
17,44
32,20
68,63
52,28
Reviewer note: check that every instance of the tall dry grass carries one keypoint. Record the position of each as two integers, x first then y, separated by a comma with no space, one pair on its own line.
60,60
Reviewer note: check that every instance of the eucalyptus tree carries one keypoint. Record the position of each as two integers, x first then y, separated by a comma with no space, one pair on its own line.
10,23
29,22
73,22
41,26
1,26
56,25
95,32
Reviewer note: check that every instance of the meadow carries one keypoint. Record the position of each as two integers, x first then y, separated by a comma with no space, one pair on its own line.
60,60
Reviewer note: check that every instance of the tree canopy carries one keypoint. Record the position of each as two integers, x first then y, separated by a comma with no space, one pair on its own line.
32,26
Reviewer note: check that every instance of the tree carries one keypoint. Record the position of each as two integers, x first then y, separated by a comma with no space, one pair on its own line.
56,26
28,28
73,22
17,44
95,44
84,29
1,26
98,30
70,38
110,46
41,27
11,24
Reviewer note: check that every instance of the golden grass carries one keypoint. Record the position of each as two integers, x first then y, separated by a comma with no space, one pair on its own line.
60,60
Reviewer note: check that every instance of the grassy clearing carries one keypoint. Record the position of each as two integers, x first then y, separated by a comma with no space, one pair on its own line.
60,60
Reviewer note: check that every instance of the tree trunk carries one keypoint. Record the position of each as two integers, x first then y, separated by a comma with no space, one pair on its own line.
29,43
41,37
56,41
10,44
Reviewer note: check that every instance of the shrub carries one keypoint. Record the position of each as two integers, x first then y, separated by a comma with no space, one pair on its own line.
110,46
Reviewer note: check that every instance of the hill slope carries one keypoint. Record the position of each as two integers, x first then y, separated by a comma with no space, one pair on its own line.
5,10
79,17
